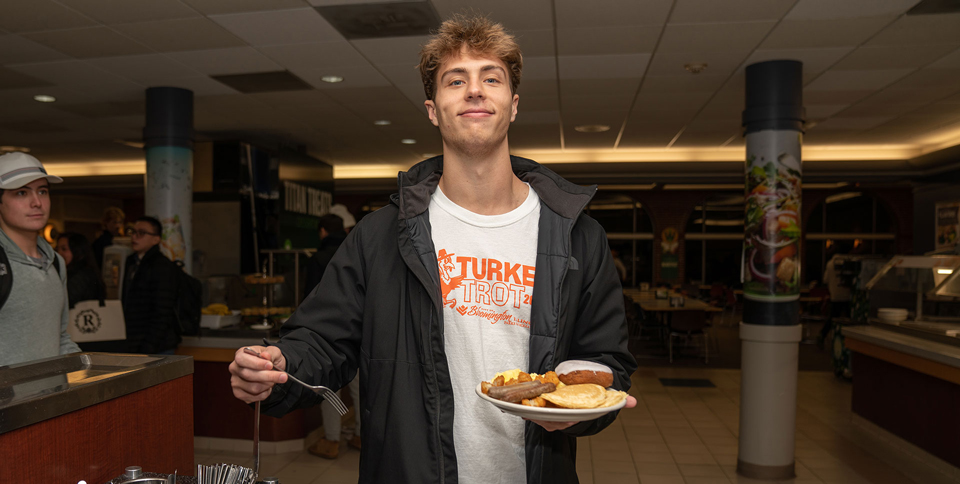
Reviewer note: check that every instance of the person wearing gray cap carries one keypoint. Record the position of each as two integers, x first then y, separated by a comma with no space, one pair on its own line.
33,277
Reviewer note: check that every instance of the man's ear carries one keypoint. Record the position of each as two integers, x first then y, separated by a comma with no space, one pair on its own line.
432,112
516,101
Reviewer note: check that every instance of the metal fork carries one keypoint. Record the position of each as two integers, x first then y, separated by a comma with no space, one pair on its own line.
327,394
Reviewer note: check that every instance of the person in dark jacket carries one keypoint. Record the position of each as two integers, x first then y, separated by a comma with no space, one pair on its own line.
84,282
149,292
483,262
112,223
332,234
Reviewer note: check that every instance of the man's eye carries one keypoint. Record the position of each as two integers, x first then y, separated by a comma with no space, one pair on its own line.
456,82
44,192
493,79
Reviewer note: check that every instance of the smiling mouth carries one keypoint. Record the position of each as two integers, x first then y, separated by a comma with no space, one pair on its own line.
476,114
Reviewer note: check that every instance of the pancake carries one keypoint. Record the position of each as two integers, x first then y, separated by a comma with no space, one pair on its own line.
586,395
613,397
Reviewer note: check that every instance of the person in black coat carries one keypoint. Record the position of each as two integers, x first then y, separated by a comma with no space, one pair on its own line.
112,223
150,292
332,234
84,282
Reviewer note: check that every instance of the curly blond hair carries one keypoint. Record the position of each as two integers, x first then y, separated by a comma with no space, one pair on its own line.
479,36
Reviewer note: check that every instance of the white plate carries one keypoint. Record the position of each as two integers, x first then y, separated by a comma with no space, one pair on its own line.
261,326
550,414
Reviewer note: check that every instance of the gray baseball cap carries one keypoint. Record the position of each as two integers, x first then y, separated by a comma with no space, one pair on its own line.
18,169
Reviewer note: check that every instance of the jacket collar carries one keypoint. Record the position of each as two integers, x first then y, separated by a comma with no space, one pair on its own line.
15,253
417,184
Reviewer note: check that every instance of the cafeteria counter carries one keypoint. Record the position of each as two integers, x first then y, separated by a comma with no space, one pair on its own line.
907,383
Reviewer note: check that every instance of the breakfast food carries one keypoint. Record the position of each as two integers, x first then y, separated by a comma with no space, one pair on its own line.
216,309
551,391
577,372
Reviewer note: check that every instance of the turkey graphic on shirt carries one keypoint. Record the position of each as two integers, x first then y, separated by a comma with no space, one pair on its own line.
447,281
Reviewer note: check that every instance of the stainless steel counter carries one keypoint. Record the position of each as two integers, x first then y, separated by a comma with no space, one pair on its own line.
38,390
923,347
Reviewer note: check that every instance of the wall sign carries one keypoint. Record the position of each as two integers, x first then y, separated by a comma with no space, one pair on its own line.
948,224
306,200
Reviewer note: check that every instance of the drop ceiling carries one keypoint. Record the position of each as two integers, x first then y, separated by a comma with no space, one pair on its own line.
879,84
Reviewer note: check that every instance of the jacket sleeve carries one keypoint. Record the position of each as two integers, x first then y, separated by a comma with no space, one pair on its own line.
600,331
66,344
164,317
321,341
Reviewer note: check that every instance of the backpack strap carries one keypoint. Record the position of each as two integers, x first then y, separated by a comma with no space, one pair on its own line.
6,277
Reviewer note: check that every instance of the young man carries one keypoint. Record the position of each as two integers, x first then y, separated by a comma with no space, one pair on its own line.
34,318
483,263
150,292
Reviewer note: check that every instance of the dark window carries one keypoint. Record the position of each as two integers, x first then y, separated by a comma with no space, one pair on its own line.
693,259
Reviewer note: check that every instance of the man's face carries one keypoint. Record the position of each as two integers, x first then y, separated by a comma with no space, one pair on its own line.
27,208
143,237
473,105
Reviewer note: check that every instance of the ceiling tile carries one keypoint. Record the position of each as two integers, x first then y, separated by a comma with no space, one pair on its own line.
834,97
10,79
687,83
116,12
400,73
838,80
535,42
606,102
537,88
537,103
144,68
238,60
603,66
515,16
71,72
575,140
534,136
806,34
951,61
709,11
180,34
867,110
620,87
838,122
718,63
395,50
88,42
315,55
679,38
214,7
823,111
815,61
15,49
366,95
893,57
606,40
537,117
35,15
610,13
655,104
539,68
930,78
279,27
920,29
200,85
689,139
831,9
355,76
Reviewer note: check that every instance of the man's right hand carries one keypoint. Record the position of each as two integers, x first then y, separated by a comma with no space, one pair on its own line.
252,377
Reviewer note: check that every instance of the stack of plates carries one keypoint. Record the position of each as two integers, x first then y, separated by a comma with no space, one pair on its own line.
892,315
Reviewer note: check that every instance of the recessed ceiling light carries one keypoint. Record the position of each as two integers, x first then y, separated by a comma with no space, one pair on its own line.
382,122
592,128
695,67
331,79
428,155
15,148
44,98
408,141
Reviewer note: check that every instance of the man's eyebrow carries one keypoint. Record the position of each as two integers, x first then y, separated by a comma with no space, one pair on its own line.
461,70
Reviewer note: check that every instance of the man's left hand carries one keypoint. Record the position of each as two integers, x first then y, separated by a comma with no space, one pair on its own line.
552,426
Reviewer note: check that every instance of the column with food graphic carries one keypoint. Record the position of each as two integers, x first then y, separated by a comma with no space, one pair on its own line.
770,331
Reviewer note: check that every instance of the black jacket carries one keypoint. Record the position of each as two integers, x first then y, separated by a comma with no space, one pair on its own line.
318,262
149,304
378,308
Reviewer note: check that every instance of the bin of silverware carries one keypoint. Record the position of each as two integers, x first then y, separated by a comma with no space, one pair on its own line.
215,474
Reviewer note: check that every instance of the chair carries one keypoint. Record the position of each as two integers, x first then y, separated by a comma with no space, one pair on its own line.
689,324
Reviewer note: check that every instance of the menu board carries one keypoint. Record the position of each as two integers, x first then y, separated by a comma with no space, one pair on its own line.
948,227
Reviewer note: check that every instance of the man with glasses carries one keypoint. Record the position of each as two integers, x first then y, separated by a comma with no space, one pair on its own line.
33,278
150,292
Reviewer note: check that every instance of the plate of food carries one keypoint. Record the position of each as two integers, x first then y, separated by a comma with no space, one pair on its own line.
575,392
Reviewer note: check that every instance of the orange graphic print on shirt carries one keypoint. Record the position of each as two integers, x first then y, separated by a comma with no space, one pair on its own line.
487,288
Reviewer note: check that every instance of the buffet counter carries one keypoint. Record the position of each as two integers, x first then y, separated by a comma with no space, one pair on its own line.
907,383
221,421
86,416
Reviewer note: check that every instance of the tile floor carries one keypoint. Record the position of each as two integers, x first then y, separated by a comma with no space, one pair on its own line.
680,436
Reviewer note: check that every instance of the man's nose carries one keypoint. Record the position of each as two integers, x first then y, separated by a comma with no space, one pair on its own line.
35,199
475,90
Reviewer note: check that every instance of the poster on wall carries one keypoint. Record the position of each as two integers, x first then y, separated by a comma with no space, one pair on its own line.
948,224
669,260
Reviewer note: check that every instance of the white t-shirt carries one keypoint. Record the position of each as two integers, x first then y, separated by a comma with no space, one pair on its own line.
487,265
